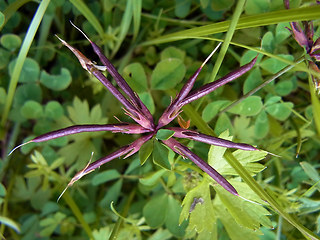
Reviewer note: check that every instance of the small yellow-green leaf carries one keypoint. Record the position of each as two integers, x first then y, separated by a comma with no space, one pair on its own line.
164,134
10,41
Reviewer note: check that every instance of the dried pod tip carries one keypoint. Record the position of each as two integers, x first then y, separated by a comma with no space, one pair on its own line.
207,59
80,31
18,147
76,177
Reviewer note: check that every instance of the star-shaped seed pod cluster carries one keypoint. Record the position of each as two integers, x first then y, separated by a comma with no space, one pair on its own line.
145,124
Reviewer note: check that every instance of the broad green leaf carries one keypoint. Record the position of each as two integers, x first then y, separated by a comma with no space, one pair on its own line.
147,99
218,5
223,123
261,126
105,176
4,58
283,88
182,8
3,190
197,205
282,33
2,18
248,56
164,134
167,74
32,110
145,151
172,219
152,178
10,223
268,42
30,70
172,52
253,80
257,6
135,76
113,194
51,223
250,106
53,110
155,211
160,155
273,65
10,41
27,92
280,111
271,100
56,82
212,109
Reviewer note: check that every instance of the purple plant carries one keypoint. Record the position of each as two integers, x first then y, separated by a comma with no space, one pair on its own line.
135,109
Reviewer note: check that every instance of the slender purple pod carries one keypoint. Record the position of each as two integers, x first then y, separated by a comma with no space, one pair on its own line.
183,133
184,151
119,127
210,87
118,78
172,110
132,111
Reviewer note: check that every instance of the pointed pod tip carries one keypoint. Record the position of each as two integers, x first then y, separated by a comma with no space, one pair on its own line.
80,31
18,147
210,55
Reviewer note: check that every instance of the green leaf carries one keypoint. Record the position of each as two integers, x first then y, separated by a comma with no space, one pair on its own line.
155,211
105,176
30,70
257,6
164,134
56,82
218,5
250,106
53,110
223,123
136,77
273,65
32,110
253,80
268,42
10,223
172,52
216,153
282,33
197,205
2,18
113,194
10,41
147,99
283,88
172,218
212,109
261,126
160,155
271,100
145,151
182,8
167,74
27,92
311,171
280,111
4,58
152,178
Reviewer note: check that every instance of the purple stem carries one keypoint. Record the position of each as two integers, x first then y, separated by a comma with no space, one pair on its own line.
184,151
210,87
120,127
183,133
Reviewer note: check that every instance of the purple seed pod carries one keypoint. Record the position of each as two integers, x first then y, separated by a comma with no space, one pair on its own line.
118,78
183,133
184,151
172,111
210,87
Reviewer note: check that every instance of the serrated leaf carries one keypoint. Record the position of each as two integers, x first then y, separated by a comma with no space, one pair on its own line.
136,77
160,155
145,151
167,74
56,82
155,211
164,134
105,176
197,205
